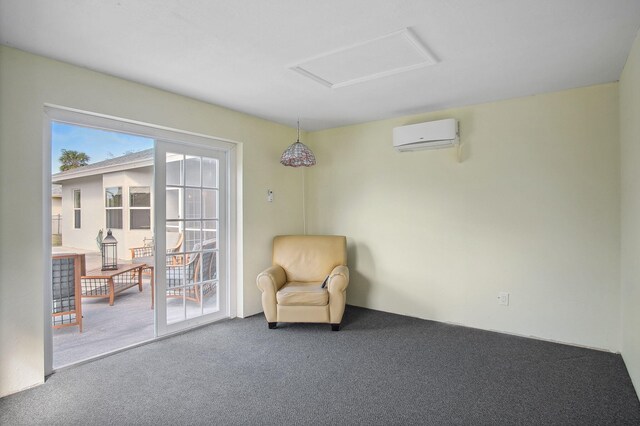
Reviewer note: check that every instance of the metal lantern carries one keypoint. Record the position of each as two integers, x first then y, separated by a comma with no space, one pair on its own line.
109,248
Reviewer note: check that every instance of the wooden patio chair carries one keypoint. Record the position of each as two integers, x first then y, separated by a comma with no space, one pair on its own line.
146,253
186,277
66,307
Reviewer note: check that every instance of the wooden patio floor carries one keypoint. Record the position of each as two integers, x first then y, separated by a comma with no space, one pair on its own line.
108,328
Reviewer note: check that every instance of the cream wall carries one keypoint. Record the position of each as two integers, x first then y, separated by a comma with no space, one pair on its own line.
532,209
630,156
27,82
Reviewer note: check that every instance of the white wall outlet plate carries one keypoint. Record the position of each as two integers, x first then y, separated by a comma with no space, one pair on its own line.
503,298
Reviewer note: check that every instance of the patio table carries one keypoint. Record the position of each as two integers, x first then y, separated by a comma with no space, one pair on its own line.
106,284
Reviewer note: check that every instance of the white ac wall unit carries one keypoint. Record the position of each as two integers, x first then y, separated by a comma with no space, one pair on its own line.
429,135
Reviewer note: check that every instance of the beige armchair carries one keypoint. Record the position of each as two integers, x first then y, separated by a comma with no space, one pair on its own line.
292,288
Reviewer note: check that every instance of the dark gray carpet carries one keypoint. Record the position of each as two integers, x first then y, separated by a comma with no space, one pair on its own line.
380,369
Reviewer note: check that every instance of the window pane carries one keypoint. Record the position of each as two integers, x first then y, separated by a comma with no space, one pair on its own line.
209,172
175,237
193,236
176,260
114,219
210,298
194,305
139,196
209,230
76,199
192,171
192,204
174,169
140,219
209,264
210,204
175,304
113,197
76,219
173,203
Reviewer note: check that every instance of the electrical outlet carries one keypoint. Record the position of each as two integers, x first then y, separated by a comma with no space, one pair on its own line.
503,298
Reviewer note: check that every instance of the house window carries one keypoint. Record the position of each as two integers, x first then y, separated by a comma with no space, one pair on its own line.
139,207
113,206
76,209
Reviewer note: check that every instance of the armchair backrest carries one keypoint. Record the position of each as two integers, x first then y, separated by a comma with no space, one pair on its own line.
309,257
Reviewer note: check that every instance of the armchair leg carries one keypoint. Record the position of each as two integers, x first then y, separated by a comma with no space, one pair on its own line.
335,327
272,325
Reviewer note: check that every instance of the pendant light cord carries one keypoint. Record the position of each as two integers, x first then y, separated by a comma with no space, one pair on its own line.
304,203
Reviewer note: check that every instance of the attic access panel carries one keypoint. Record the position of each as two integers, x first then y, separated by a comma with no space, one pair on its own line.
387,55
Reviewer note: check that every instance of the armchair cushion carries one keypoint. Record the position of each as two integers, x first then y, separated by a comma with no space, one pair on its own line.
308,294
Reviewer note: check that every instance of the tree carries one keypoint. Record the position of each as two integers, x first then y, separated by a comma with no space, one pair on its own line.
70,159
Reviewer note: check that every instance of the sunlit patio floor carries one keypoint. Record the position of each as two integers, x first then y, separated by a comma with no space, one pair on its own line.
108,328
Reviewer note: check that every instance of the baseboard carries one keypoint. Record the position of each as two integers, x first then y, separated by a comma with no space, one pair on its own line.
544,339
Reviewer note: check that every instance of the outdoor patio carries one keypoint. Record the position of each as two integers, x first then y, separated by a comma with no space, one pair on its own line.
107,328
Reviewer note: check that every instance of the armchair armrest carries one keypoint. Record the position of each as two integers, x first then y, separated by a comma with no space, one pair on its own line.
269,282
338,279
271,279
338,282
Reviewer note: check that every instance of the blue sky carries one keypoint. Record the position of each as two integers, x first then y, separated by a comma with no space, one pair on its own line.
97,144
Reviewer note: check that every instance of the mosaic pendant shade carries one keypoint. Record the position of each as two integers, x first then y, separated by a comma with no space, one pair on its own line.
298,154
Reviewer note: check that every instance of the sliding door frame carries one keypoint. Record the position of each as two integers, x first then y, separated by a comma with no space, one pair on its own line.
233,150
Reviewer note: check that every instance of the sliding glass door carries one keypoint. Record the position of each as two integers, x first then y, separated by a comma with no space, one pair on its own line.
192,284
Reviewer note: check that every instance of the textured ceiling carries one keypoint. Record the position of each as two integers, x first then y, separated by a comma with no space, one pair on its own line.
239,53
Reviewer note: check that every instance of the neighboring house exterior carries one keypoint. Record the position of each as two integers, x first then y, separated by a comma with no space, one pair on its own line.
56,215
112,194
56,200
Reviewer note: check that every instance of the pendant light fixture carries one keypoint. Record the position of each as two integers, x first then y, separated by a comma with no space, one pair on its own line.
298,154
